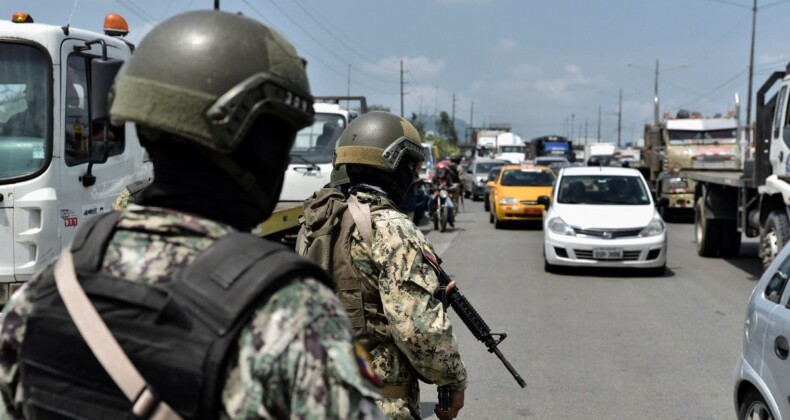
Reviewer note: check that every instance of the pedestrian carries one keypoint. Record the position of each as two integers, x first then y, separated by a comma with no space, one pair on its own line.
186,314
356,231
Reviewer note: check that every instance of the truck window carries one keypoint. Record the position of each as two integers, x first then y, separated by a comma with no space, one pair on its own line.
316,143
780,108
24,114
79,130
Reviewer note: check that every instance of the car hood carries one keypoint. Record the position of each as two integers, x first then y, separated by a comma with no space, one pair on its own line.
588,216
524,193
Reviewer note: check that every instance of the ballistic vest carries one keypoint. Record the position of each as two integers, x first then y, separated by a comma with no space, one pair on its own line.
180,334
326,238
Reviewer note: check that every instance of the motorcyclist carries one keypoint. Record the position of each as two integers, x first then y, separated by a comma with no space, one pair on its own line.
444,178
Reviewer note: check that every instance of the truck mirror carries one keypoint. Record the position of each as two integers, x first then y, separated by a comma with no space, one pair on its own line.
103,74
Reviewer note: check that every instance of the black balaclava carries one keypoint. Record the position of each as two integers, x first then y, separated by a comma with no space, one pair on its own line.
185,179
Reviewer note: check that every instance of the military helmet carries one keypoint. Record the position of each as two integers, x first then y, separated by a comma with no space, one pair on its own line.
379,140
210,88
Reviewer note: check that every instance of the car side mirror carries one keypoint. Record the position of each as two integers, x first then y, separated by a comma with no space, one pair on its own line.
490,184
662,202
545,201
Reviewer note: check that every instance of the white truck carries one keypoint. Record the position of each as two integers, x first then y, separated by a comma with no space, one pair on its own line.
754,201
510,147
311,162
60,161
599,153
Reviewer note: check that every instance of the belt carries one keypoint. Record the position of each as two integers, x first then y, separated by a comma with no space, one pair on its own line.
396,391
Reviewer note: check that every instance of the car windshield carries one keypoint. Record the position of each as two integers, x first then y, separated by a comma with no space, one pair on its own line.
494,174
24,115
602,189
527,178
316,143
485,167
546,161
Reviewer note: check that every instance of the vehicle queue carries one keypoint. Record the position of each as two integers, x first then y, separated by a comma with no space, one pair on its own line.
607,217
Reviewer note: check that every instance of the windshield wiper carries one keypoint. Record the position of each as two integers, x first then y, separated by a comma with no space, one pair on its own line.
313,166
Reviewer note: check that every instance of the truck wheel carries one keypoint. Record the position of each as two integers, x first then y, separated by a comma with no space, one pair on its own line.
730,239
774,235
707,231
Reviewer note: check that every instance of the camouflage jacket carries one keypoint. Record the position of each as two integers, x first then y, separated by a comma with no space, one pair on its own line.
295,355
423,344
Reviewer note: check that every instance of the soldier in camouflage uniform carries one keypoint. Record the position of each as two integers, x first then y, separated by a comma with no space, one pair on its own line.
294,356
376,258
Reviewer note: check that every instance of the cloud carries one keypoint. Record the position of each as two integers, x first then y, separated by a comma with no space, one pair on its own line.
506,44
417,67
557,87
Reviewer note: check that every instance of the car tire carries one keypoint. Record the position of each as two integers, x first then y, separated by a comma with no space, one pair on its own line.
754,406
707,231
490,217
486,206
549,268
774,234
497,223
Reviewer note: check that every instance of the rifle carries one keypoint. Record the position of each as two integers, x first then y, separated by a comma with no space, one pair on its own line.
470,317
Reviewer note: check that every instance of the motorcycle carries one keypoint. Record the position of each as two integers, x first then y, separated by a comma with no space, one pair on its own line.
444,206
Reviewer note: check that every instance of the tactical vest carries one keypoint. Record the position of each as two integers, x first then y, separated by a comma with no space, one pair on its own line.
181,334
325,238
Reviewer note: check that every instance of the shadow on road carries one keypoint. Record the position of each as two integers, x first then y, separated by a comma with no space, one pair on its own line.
525,225
610,272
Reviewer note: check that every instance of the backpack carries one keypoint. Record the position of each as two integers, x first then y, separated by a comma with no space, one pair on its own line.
180,335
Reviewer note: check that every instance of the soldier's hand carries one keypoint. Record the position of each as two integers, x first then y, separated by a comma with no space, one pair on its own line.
456,404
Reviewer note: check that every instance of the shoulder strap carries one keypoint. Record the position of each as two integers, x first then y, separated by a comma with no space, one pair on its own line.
145,402
360,212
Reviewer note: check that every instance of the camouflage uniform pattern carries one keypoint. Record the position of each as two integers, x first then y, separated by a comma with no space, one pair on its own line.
423,344
296,358
122,201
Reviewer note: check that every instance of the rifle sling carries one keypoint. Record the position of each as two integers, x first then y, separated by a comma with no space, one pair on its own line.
145,402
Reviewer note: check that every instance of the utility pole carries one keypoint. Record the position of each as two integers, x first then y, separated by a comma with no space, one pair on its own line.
401,88
348,92
216,4
585,130
471,120
572,116
751,76
436,111
453,136
599,123
620,114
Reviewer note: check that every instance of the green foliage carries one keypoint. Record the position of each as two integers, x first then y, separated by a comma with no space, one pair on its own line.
419,123
444,145
446,127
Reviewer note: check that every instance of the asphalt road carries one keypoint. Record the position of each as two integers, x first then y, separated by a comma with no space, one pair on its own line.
595,345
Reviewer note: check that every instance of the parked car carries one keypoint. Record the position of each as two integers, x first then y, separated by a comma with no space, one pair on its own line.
555,163
514,194
603,217
493,174
762,373
477,175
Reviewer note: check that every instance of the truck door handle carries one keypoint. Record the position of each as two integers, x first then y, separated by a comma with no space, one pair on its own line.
781,347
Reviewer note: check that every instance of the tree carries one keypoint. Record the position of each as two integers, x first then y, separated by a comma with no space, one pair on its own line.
378,108
446,127
419,123
445,148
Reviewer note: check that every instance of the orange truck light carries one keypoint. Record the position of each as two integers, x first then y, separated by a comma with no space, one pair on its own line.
21,17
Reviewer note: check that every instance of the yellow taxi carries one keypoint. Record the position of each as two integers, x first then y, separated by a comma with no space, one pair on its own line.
514,193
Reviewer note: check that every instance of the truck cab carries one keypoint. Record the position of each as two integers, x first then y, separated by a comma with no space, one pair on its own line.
60,161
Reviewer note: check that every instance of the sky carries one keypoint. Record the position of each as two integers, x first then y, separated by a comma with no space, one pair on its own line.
542,66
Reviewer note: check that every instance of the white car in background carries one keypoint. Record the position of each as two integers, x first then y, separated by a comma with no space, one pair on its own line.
603,217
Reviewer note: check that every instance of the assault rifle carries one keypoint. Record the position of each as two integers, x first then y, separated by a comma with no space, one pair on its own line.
470,317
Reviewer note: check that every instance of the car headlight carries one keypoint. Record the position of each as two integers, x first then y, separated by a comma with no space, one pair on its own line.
655,228
508,200
557,225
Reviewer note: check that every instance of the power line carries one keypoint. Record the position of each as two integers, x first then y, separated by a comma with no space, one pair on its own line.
315,57
347,45
137,11
329,50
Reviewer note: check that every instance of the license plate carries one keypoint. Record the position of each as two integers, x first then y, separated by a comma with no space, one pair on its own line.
607,253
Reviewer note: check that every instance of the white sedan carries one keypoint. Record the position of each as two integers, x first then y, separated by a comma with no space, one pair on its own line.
603,217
